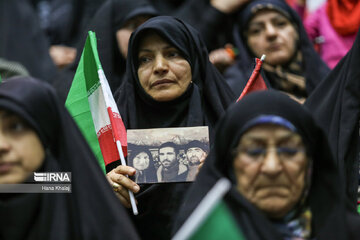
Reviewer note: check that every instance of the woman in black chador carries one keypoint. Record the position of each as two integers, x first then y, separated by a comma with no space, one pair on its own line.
272,28
284,181
335,103
38,135
169,83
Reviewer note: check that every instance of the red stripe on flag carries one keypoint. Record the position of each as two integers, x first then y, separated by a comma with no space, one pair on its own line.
108,145
256,82
119,130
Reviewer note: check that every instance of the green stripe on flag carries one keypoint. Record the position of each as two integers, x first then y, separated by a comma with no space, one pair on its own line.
359,208
219,225
86,78
211,219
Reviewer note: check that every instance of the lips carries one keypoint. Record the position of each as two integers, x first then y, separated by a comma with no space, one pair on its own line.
274,47
162,82
6,167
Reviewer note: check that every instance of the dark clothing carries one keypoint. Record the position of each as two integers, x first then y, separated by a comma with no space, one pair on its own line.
203,102
335,104
313,68
325,198
63,20
91,210
23,41
112,15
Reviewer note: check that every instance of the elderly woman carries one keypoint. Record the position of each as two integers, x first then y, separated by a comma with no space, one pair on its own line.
37,134
272,28
170,83
285,183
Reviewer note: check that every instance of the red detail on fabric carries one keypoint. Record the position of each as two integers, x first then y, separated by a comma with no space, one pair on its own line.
108,145
344,16
119,130
255,83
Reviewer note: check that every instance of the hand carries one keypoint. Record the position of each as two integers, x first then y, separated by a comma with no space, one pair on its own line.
221,58
121,183
202,160
228,6
62,55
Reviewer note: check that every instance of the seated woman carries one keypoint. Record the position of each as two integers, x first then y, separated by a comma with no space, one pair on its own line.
272,28
38,135
285,183
169,83
142,160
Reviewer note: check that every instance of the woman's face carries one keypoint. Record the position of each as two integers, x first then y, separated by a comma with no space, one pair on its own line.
141,161
124,33
270,168
163,73
272,34
21,151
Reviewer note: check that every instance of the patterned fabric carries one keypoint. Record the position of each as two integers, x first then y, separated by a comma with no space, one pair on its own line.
9,69
298,228
288,78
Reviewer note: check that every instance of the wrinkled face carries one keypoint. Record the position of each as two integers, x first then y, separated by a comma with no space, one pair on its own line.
124,33
270,168
272,34
163,73
141,161
194,155
21,151
167,157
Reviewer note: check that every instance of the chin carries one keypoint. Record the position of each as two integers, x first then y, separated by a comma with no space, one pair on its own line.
165,97
277,59
274,208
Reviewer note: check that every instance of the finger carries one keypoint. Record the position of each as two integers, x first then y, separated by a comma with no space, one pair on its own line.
123,200
124,182
125,170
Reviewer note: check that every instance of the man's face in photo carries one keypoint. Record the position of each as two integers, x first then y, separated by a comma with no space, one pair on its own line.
167,156
194,155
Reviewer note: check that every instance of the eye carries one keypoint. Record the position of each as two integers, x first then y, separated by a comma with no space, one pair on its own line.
173,54
15,126
144,60
254,31
280,23
288,151
255,152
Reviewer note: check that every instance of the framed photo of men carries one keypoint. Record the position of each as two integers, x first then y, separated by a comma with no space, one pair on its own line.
162,155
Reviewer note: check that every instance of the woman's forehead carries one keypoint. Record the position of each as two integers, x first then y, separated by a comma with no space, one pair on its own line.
266,15
268,132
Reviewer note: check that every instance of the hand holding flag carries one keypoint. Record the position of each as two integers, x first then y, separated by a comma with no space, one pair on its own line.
91,104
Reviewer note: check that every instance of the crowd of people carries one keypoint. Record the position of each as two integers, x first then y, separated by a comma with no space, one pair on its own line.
290,152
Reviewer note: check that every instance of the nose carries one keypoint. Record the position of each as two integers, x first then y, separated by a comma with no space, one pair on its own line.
270,31
161,65
271,164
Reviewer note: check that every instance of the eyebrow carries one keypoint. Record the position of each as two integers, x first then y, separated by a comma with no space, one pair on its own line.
260,22
149,50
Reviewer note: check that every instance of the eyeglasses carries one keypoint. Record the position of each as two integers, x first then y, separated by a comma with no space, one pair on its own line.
259,153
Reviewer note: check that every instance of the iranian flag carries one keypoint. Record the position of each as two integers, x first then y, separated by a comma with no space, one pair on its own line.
212,219
92,106
255,82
